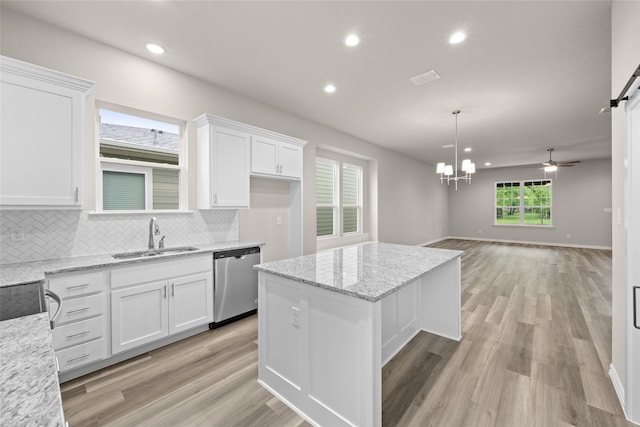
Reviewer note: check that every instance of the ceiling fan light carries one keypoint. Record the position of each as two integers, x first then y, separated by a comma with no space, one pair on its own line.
440,168
465,165
448,170
551,168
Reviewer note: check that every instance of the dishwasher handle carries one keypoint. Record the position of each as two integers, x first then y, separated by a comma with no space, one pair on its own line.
56,298
236,253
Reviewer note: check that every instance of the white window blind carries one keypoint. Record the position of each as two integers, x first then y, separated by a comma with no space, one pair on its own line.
326,206
351,198
123,191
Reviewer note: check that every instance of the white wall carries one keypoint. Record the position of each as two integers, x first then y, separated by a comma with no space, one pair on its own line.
412,206
580,196
625,57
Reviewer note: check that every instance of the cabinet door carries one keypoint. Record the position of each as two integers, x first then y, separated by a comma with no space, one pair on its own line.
230,163
191,302
38,148
290,161
42,114
138,315
264,156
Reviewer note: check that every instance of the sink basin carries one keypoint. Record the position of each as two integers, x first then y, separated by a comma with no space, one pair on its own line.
154,252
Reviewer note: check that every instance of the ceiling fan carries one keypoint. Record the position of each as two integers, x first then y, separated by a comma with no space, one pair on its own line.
553,164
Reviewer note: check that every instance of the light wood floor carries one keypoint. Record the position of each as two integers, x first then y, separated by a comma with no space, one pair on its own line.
535,352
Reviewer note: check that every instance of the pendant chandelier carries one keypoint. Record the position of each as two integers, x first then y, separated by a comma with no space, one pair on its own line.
449,173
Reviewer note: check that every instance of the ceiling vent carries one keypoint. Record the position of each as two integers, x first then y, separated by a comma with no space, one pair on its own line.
423,78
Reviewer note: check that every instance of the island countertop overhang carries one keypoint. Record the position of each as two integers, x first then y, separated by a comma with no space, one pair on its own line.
368,271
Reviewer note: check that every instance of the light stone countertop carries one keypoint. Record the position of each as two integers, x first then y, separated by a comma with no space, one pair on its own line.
29,391
368,271
34,271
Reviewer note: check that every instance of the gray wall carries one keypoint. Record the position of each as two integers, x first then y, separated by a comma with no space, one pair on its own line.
411,205
580,196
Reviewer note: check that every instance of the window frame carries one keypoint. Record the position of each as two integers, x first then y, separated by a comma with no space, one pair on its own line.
136,166
338,203
522,205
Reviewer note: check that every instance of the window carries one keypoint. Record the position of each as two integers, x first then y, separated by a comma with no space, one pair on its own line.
351,198
140,165
523,203
338,207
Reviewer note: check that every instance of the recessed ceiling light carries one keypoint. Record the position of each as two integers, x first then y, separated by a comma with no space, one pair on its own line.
329,88
352,40
457,37
467,149
488,164
154,48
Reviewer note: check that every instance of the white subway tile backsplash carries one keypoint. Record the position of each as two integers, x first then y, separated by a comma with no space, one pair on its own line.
52,234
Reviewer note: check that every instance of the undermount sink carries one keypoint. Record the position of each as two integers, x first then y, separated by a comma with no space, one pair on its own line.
154,252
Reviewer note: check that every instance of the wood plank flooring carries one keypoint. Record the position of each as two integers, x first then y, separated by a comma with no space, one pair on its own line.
536,327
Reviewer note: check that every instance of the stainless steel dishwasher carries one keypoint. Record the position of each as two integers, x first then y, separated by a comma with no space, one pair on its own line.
235,284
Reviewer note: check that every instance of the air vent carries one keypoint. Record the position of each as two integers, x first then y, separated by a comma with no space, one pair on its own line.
423,78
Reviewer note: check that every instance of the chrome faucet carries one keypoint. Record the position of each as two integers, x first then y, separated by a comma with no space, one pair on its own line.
154,228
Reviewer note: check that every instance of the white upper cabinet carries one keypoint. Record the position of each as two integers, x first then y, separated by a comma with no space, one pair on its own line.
229,152
223,164
276,158
42,117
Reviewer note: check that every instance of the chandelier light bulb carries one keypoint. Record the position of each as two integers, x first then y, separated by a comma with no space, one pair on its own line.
440,168
465,165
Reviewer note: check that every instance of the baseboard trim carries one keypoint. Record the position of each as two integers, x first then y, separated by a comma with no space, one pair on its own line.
617,385
524,242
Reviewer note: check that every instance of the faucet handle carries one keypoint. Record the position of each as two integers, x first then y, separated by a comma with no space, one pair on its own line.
161,243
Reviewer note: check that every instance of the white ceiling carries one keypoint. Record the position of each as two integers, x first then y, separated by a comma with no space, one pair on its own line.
531,75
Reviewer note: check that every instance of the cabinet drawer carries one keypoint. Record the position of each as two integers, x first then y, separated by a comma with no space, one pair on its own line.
78,332
81,308
81,354
77,284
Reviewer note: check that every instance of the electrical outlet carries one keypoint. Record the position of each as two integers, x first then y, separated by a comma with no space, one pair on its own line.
279,220
295,317
17,234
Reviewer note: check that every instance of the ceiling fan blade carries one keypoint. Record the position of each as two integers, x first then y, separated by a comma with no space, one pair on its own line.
564,165
569,163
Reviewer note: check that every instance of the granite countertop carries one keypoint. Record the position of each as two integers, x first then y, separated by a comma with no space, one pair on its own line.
34,271
30,394
369,271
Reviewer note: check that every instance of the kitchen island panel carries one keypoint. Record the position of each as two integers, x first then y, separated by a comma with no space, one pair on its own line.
335,340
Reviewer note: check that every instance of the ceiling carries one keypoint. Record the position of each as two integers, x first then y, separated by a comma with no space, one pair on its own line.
529,76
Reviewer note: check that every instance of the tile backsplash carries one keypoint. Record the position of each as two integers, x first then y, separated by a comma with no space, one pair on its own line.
49,234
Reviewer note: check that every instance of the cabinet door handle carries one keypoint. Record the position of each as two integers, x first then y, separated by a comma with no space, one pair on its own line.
76,195
71,288
173,289
164,291
73,359
57,364
78,310
215,199
77,334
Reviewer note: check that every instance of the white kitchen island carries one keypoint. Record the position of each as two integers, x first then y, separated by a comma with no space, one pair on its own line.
329,322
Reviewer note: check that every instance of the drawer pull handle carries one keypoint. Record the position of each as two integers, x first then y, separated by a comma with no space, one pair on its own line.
74,359
77,334
78,310
71,288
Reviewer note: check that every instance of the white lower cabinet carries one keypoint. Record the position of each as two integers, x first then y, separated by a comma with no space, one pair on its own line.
138,315
79,337
176,296
191,302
